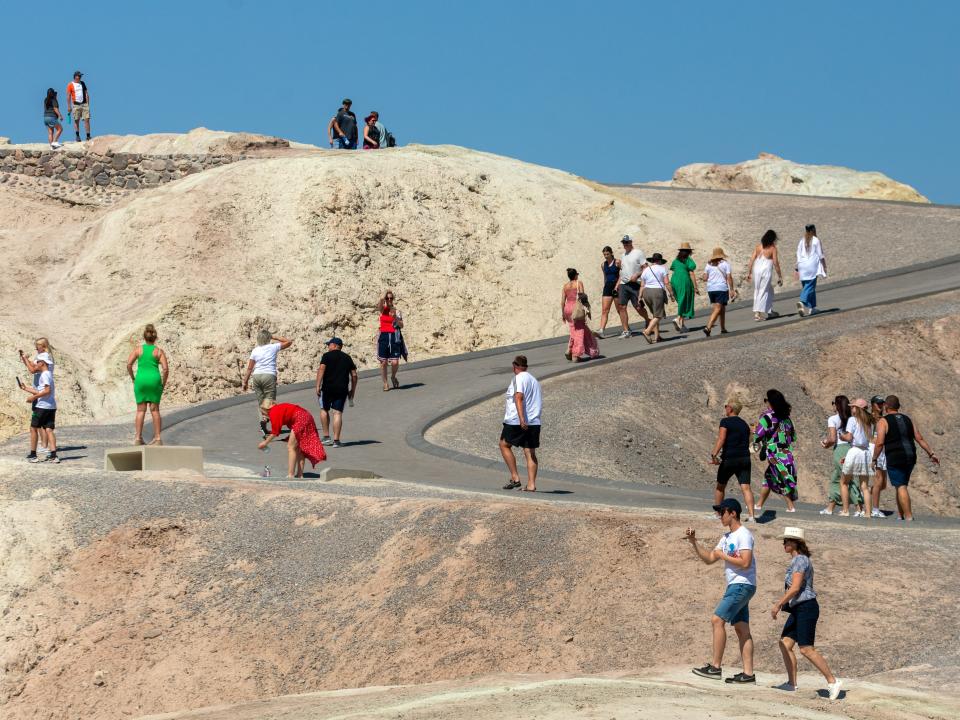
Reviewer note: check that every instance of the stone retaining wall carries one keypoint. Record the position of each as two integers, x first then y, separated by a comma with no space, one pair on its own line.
129,171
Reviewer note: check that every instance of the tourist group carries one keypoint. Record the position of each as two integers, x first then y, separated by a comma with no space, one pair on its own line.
78,107
342,130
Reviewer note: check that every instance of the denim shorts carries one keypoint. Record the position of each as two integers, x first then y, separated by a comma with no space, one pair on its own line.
801,626
734,607
719,297
50,121
899,476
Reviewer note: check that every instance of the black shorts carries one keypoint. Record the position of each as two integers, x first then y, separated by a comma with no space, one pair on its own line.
516,436
46,419
719,297
734,466
801,626
629,294
333,401
608,287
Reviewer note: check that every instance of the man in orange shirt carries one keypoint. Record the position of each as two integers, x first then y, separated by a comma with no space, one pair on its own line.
78,103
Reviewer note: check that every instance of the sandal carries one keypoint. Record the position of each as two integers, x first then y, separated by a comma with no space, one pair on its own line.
396,384
649,339
512,485
706,331
529,489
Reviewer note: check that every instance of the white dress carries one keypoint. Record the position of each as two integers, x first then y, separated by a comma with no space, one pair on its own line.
763,285
810,262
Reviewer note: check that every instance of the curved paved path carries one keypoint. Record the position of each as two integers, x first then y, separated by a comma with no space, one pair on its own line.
384,432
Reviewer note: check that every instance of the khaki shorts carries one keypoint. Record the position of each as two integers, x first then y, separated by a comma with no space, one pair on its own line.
81,112
655,299
265,386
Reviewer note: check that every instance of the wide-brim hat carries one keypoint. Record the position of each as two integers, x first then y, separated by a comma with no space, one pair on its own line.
718,254
657,259
794,533
860,403
685,246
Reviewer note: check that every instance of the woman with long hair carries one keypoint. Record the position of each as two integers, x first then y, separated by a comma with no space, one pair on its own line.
304,441
800,600
858,461
390,345
148,383
763,262
776,435
610,267
582,344
811,264
837,424
52,118
683,280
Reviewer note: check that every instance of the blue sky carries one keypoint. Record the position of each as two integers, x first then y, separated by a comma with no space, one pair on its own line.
614,91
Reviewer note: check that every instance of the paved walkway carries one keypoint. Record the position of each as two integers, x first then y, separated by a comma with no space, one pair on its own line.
384,432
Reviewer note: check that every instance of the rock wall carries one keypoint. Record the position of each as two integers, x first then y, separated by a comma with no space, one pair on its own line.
129,171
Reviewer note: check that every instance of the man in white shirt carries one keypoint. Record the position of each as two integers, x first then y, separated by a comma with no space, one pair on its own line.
521,424
262,365
628,286
735,548
43,400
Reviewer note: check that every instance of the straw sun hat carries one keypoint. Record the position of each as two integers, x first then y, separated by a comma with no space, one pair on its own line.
794,533
718,254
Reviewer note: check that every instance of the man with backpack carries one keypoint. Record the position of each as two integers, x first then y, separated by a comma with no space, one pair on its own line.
78,103
386,137
343,127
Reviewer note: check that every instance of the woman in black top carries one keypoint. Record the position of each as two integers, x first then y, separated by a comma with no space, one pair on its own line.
371,136
52,118
731,455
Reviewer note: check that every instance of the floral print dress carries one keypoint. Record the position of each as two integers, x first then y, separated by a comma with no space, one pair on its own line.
776,438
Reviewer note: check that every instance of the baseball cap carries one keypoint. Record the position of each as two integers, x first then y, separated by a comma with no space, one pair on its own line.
347,101
626,239
77,72
878,400
335,341
729,504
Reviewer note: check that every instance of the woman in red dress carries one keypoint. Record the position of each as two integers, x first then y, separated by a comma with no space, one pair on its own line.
304,442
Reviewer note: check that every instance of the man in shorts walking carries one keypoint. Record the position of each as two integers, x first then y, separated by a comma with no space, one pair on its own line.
521,424
740,567
731,454
628,287
336,383
43,399
897,438
78,103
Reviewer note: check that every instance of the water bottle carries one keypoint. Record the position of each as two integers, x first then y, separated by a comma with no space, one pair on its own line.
350,400
266,471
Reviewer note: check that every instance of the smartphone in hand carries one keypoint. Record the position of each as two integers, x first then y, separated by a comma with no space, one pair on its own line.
19,384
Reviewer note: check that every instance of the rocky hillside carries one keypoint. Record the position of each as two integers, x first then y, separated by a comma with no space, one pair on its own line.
769,173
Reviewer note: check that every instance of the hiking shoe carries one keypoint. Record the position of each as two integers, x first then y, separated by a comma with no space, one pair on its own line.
787,687
741,679
877,513
54,459
625,334
336,443
826,511
32,457
834,689
35,459
708,671
326,440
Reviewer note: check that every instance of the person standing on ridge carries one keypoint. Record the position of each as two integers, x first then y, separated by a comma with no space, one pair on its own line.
148,383
52,119
371,136
385,136
336,382
811,264
735,548
78,103
521,424
898,437
628,288
731,454
343,127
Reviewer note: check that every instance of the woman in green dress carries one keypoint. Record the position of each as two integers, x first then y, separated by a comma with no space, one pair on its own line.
148,383
684,283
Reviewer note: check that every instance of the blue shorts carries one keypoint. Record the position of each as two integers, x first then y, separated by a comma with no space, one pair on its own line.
899,476
50,121
721,297
735,606
329,401
346,144
801,626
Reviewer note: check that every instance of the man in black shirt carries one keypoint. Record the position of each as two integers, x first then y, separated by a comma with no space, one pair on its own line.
731,455
343,127
897,438
336,381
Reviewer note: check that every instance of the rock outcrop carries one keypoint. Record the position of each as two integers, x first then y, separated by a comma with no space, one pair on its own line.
769,173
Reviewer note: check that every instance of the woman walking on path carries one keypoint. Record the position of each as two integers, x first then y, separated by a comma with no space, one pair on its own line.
656,291
858,461
390,346
776,435
836,424
811,264
52,118
720,289
877,403
42,346
683,280
304,442
800,600
611,274
763,262
148,383
574,311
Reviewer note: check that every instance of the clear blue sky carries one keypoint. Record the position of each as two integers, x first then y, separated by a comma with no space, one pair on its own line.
614,91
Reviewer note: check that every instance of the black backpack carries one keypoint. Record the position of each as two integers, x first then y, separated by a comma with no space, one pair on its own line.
391,141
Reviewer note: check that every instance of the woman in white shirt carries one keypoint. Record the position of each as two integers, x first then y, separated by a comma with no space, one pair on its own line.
262,366
655,290
836,424
720,289
857,461
763,262
811,264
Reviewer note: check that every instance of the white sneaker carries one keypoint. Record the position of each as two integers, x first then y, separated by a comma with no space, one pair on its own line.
826,511
877,514
859,513
834,689
625,334
750,518
757,508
